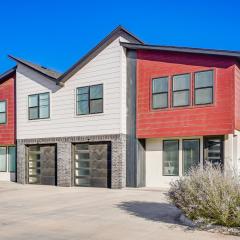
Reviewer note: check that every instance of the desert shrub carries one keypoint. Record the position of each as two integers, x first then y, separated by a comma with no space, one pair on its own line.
208,195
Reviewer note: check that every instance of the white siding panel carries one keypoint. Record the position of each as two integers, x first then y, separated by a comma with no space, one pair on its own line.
107,68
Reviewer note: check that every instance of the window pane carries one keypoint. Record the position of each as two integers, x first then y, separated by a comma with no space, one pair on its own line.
3,118
181,82
3,159
2,107
181,98
44,112
203,96
160,100
82,97
82,90
82,107
12,159
170,158
191,154
33,101
96,91
160,85
96,106
44,99
204,79
33,113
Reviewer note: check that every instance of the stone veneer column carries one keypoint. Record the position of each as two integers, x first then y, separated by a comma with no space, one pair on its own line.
21,164
64,165
119,162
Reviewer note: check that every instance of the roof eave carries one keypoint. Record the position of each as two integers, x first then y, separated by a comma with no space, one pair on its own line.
225,53
34,69
8,73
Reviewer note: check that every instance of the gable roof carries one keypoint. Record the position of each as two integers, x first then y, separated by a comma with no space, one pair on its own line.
225,53
7,74
53,75
119,31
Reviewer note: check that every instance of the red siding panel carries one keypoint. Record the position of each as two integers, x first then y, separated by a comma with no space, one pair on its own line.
237,97
214,119
7,131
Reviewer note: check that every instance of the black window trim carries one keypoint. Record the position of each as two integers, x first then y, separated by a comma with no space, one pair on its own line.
178,143
199,156
182,90
89,100
159,93
212,88
5,101
38,106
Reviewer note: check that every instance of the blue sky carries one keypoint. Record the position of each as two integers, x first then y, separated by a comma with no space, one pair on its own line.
56,33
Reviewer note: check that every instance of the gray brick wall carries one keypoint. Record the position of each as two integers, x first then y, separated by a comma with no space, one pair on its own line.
64,157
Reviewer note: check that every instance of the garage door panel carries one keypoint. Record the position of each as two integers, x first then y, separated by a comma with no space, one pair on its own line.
42,164
92,166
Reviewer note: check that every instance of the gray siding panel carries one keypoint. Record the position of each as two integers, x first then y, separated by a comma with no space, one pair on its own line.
135,176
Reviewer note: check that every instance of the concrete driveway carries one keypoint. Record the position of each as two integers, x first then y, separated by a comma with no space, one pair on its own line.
44,212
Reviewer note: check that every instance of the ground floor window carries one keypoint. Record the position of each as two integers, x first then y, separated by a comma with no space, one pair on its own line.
170,158
191,154
8,159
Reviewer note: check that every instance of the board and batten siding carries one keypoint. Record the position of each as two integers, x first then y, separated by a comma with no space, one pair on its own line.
107,68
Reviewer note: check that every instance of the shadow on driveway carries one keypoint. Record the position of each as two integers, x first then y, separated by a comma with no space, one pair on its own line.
158,212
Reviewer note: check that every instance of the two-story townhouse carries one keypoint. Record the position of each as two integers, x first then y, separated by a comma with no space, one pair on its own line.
7,126
72,128
188,111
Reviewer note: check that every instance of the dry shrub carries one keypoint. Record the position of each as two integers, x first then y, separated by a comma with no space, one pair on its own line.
209,196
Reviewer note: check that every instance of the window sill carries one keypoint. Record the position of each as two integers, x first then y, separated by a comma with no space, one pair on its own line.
39,120
184,107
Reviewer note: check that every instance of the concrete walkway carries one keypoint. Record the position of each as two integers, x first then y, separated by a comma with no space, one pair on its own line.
30,212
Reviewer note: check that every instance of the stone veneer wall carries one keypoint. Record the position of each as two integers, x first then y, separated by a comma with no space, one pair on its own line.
64,157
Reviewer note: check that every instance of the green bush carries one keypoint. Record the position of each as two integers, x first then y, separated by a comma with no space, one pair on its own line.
209,196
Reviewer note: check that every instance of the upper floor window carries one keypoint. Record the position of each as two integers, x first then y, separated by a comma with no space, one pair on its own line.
203,85
3,112
38,106
89,99
160,93
181,89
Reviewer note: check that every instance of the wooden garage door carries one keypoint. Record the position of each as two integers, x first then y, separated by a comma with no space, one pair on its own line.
42,164
92,164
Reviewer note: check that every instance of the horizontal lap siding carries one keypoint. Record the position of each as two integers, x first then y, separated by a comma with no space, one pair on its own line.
104,69
187,121
237,97
7,131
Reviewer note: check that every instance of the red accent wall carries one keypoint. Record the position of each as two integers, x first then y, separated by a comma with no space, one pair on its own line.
214,119
237,97
7,92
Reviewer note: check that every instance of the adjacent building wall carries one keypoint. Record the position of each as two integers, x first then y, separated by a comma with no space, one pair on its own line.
237,96
214,119
107,68
7,93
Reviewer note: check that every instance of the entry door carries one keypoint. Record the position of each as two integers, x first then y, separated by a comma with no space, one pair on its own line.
213,150
92,164
42,165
